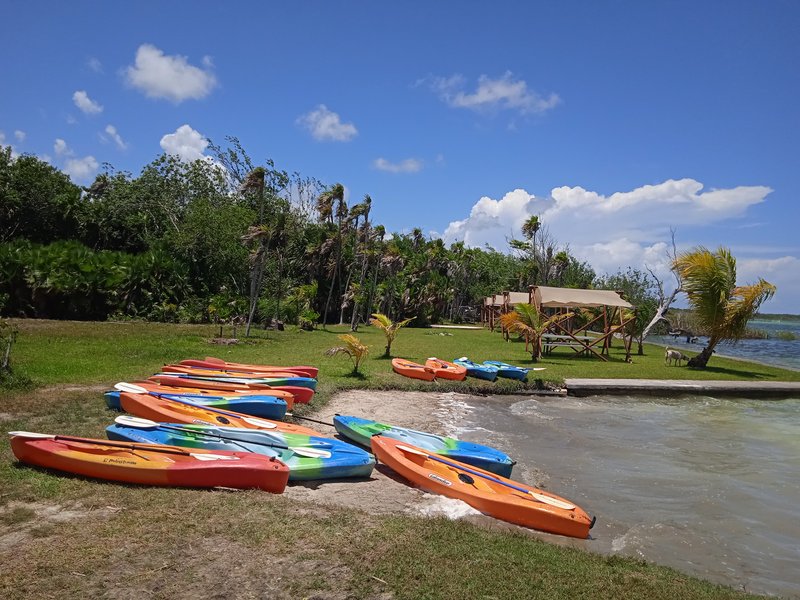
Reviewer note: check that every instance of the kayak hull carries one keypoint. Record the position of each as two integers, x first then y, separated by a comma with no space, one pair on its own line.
299,394
345,461
508,371
141,464
361,431
495,496
446,370
173,410
267,407
412,370
476,370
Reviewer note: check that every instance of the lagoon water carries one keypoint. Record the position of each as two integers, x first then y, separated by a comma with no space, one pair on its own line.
708,486
773,350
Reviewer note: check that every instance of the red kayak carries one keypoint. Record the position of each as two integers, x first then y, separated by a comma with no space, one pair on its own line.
209,362
150,464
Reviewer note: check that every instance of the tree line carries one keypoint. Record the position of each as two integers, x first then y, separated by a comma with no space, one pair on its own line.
225,238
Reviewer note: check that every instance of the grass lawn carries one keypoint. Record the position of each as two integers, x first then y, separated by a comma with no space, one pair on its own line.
73,537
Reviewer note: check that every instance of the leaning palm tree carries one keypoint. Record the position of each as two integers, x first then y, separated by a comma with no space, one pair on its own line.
531,324
722,308
389,328
354,348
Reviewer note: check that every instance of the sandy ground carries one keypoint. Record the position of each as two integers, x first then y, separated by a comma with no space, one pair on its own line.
383,492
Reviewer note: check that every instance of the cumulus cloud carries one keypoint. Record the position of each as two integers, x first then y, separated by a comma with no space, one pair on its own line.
609,232
326,125
86,104
81,169
158,75
20,135
409,165
186,143
60,148
112,132
3,142
502,93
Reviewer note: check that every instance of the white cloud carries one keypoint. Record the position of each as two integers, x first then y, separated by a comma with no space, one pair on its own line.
86,104
116,137
94,64
169,77
60,148
503,93
3,142
409,165
81,169
609,232
325,125
186,143
20,135
71,120
782,272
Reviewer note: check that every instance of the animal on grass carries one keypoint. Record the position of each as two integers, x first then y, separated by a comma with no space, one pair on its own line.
674,357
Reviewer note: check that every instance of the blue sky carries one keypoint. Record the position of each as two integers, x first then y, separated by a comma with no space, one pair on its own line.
614,121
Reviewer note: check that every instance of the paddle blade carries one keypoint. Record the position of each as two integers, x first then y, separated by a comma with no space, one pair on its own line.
552,501
123,386
135,422
32,435
199,456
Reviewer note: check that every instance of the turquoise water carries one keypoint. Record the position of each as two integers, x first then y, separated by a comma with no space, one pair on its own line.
772,351
708,486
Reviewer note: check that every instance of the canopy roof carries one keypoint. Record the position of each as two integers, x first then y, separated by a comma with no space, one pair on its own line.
553,297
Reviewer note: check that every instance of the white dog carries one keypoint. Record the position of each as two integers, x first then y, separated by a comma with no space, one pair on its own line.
672,356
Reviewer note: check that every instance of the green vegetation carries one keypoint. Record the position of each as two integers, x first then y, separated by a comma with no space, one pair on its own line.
353,348
150,539
721,306
389,328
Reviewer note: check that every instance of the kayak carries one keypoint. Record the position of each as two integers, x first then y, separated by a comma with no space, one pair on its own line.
221,372
268,407
171,409
412,369
150,464
306,382
307,457
446,370
301,394
152,387
209,362
489,493
361,431
479,371
508,371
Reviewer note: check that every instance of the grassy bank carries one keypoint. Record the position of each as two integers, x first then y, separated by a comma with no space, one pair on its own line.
69,536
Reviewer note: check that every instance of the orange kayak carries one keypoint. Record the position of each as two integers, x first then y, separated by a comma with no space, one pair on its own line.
412,369
446,370
209,362
491,494
167,410
216,372
301,394
150,464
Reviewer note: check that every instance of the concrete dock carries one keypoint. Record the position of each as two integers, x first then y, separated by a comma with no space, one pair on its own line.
676,387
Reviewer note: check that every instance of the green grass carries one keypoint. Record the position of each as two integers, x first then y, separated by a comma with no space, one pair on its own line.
179,543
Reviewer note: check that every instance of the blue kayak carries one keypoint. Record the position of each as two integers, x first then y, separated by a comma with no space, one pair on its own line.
307,457
264,406
485,457
474,369
508,371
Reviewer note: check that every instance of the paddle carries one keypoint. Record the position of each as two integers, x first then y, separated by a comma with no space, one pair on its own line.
130,447
140,423
293,416
540,497
137,389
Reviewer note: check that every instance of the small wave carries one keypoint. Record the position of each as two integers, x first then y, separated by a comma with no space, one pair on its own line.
434,506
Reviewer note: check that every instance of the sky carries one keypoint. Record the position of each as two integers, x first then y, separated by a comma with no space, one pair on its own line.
616,122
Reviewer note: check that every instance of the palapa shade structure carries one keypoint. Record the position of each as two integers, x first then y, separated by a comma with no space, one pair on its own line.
552,299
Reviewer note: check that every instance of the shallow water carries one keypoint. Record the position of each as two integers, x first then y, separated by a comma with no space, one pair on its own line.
772,351
708,486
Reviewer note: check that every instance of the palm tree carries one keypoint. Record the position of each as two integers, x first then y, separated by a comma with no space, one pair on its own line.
531,324
354,348
325,203
721,307
389,328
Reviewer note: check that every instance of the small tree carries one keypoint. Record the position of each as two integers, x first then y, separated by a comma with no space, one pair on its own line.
354,348
531,324
389,328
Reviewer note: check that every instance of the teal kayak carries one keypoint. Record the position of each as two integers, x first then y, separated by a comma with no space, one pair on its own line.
488,372
485,457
